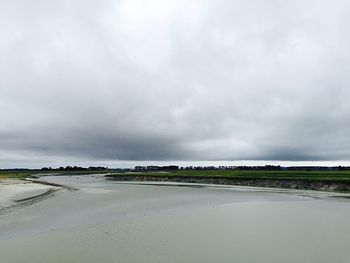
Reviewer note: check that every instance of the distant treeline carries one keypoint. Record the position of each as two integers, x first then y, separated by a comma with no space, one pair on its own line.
169,168
66,168
247,168
75,168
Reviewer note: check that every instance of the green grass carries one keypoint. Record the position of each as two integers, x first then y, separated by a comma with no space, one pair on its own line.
338,176
13,175
23,174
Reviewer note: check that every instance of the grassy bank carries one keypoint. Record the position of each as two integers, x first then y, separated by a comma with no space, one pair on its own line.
13,175
338,181
38,173
339,176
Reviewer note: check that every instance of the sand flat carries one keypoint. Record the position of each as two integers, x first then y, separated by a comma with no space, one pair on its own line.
13,191
105,221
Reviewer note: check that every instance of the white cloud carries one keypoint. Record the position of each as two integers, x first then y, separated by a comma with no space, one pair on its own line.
158,80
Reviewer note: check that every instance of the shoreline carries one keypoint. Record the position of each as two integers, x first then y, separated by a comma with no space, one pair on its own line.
329,186
17,192
38,181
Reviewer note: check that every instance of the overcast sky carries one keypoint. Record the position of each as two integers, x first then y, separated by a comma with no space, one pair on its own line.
116,82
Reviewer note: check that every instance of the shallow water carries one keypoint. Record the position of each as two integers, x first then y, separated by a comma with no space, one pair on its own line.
109,222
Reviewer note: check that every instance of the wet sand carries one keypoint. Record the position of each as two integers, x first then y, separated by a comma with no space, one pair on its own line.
14,192
105,221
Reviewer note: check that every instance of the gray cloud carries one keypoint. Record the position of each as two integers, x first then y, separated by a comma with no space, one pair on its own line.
174,80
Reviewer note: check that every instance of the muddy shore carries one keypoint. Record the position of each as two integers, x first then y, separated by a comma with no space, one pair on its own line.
332,186
14,192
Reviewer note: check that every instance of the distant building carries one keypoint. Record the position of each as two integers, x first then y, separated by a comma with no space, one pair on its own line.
140,168
151,168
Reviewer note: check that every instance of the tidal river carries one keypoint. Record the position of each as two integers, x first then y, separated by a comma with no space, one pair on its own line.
107,221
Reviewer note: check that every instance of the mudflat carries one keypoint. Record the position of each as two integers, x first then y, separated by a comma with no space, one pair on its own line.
108,221
14,192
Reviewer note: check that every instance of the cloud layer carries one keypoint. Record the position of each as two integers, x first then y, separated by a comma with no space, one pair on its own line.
174,80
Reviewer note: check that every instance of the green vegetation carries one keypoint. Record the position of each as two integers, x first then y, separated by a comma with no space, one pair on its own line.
332,175
13,174
24,173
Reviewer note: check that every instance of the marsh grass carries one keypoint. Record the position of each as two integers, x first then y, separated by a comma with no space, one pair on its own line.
13,175
336,176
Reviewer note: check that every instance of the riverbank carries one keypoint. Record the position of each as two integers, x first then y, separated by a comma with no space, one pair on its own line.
333,182
14,192
134,222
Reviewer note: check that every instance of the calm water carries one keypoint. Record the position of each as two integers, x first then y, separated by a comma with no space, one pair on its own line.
109,222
